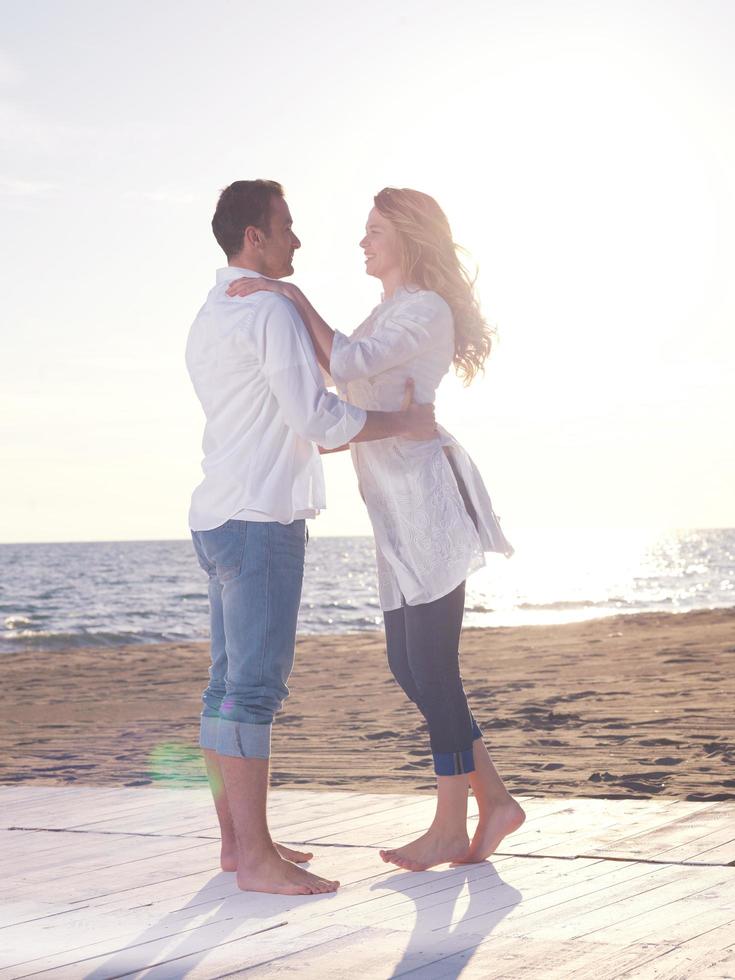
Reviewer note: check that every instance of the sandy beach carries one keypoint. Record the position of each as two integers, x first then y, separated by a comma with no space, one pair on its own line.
631,706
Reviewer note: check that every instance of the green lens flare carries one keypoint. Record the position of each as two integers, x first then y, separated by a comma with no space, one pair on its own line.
177,763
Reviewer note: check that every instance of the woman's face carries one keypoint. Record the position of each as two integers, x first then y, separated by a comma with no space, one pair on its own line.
381,247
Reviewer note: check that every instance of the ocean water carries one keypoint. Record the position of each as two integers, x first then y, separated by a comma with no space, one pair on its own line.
54,596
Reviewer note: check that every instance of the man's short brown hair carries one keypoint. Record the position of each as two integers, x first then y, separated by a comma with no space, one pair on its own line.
242,204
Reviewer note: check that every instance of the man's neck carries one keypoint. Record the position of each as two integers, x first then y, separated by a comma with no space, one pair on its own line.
253,263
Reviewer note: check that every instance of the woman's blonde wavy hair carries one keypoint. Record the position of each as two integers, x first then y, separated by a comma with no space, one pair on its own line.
429,260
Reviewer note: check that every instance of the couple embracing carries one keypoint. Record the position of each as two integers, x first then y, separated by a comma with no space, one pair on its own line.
254,355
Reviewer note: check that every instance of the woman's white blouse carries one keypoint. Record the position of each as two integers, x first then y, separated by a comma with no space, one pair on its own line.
426,541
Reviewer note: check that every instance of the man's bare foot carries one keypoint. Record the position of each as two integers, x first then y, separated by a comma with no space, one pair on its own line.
228,856
432,848
270,873
492,827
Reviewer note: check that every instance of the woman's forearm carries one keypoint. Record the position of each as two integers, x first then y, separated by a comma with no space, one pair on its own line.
322,334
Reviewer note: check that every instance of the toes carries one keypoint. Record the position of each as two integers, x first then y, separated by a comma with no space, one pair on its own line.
321,886
410,865
325,887
297,857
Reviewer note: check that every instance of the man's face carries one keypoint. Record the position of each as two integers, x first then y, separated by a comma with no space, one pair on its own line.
280,243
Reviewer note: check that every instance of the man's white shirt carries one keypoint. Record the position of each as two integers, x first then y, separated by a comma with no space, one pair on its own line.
254,370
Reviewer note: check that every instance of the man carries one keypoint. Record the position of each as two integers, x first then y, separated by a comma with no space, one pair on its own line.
254,370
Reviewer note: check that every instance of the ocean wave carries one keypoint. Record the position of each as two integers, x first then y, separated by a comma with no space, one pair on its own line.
125,593
48,640
17,622
569,604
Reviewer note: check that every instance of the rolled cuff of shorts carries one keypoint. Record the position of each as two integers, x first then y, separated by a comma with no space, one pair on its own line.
453,763
208,728
243,740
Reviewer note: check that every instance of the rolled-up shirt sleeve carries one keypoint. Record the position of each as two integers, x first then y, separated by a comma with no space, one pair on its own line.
417,325
290,366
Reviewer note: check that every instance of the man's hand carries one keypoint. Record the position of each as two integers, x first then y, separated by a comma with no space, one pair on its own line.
420,421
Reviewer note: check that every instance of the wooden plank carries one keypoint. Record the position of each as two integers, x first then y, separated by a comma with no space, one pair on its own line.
166,813
213,901
72,814
208,904
682,913
231,944
396,827
645,914
425,807
129,903
613,827
680,836
715,848
240,906
713,937
543,895
681,963
634,891
282,812
502,959
96,807
24,910
80,856
375,953
63,808
325,827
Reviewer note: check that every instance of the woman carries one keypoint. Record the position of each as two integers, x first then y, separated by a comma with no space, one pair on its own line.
430,512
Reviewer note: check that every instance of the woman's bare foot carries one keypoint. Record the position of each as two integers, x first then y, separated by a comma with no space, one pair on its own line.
289,854
432,848
270,873
494,824
228,856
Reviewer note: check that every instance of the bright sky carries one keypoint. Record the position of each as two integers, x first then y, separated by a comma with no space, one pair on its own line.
584,153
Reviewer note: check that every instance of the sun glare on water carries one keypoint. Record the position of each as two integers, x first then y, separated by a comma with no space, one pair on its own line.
564,575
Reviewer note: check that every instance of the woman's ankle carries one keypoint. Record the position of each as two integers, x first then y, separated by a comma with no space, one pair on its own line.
492,800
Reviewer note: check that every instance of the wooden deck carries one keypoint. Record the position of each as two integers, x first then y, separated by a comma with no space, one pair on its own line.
101,882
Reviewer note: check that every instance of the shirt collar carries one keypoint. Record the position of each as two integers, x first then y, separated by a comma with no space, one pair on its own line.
400,292
232,272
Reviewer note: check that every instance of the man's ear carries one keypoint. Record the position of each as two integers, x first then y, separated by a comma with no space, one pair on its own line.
254,237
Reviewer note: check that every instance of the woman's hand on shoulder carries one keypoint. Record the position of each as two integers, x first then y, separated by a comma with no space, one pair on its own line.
247,285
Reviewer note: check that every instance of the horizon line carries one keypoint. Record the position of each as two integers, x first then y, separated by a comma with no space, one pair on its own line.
531,527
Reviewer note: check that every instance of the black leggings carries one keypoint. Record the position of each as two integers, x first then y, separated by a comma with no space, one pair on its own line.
423,654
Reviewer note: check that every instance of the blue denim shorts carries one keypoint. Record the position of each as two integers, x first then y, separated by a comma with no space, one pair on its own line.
255,572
